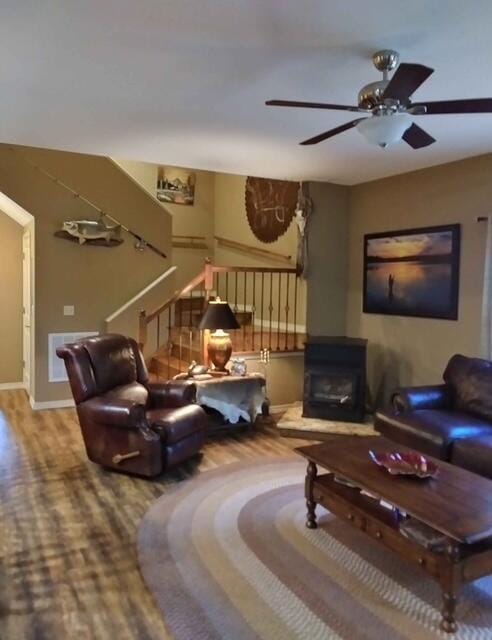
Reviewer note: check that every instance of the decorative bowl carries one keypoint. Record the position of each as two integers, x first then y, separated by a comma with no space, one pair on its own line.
410,463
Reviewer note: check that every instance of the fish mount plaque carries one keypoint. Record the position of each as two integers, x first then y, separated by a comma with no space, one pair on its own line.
270,206
98,242
95,232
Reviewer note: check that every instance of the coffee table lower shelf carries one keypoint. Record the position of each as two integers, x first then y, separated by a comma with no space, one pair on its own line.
452,566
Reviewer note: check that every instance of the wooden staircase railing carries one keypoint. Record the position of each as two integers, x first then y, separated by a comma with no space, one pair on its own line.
265,301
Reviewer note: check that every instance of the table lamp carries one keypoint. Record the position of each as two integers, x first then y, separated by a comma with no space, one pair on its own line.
217,317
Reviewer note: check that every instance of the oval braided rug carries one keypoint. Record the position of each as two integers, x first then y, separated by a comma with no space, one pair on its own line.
227,555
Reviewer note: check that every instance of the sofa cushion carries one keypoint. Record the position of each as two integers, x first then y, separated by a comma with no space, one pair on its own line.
474,454
430,431
471,380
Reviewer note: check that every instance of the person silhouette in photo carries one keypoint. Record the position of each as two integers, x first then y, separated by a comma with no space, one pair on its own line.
391,283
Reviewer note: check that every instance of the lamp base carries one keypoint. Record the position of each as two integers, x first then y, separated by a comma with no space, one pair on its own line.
219,349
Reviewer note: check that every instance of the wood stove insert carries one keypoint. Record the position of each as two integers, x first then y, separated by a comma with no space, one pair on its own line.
335,378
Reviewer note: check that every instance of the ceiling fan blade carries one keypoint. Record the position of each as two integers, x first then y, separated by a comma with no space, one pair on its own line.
312,105
417,138
332,132
406,79
474,105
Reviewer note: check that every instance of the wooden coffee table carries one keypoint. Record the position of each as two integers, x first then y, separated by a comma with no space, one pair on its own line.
457,505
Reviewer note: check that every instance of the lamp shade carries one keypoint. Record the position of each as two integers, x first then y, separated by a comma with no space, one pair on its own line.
218,315
384,130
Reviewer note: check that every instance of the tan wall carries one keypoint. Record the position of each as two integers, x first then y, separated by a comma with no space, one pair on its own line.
10,300
144,173
194,220
285,377
219,209
328,261
190,220
96,280
231,223
415,350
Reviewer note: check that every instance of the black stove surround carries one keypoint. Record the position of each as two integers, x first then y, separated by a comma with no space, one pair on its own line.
335,378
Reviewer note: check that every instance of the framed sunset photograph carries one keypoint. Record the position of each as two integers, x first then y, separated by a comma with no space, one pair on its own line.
413,272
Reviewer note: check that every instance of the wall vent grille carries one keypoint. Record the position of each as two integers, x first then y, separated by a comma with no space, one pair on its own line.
56,366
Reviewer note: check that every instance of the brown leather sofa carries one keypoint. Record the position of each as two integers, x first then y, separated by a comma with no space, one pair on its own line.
127,422
451,421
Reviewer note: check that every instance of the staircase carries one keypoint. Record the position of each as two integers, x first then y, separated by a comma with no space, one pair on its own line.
190,310
259,299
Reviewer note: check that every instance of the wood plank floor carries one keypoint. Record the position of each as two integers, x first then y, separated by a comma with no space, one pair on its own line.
68,565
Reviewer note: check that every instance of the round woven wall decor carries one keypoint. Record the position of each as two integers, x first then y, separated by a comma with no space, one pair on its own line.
270,206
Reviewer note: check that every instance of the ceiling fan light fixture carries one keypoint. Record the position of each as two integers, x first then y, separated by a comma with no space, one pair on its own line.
385,129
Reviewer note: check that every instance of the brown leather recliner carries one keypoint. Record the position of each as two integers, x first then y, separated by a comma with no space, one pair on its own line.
127,422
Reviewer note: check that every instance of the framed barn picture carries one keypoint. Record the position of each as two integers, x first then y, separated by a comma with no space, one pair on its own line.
413,272
175,186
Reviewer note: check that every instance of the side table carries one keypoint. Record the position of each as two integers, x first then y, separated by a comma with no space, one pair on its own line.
233,400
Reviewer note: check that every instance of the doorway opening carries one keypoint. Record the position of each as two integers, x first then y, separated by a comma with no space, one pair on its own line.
17,234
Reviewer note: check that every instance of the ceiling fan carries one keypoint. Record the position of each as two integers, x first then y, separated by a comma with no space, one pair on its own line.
388,107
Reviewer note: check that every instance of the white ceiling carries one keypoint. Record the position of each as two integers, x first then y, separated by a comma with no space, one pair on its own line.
184,82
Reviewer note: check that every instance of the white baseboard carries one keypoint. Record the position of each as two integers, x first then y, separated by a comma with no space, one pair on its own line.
50,404
11,385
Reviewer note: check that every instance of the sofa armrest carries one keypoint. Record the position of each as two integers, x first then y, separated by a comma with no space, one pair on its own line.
178,393
118,413
438,396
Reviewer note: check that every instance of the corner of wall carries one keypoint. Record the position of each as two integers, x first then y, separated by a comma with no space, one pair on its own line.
328,261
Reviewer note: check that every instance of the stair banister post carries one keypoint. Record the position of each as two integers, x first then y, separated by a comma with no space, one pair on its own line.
208,285
209,278
142,329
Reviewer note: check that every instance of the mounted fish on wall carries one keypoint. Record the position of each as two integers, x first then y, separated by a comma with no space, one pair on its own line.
91,232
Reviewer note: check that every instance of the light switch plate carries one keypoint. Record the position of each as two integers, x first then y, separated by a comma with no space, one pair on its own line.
69,310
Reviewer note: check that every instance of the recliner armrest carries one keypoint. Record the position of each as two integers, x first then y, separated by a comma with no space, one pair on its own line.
119,413
177,393
438,396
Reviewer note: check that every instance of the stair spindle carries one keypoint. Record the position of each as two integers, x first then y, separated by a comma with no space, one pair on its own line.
253,313
296,278
191,309
286,348
180,350
279,308
262,308
244,311
169,341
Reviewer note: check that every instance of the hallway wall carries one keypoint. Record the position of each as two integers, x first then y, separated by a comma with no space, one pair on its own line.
96,280
10,300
